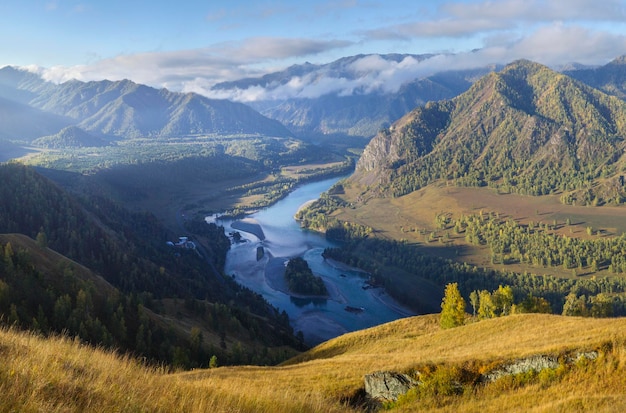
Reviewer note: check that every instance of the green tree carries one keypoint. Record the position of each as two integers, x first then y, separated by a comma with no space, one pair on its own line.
474,301
487,308
503,300
452,307
42,239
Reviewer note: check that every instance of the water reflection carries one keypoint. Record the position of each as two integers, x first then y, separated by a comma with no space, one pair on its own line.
352,304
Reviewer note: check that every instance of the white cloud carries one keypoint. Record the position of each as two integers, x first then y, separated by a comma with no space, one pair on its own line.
218,63
551,32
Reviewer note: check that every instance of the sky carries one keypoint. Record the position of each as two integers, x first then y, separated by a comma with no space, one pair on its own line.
190,45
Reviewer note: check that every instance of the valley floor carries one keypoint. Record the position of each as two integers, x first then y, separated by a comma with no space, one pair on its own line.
410,216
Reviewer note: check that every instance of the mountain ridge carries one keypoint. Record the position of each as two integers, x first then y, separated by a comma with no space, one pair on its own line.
523,129
125,109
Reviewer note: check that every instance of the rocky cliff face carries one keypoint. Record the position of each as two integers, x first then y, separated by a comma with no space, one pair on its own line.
526,129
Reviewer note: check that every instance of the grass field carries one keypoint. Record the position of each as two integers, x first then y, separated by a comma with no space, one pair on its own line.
59,374
409,216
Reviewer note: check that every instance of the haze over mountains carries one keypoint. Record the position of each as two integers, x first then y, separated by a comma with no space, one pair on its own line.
121,109
350,97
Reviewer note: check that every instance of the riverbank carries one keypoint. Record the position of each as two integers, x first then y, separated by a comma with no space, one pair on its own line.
275,278
250,226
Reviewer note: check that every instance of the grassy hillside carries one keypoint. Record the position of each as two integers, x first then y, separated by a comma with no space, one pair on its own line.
61,375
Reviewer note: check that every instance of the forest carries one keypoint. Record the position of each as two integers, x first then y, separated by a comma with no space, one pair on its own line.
301,279
144,277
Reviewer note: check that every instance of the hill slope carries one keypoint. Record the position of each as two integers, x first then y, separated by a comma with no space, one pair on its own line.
325,378
525,129
610,78
128,278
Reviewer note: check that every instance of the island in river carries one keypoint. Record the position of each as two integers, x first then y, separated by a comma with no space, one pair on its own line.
279,234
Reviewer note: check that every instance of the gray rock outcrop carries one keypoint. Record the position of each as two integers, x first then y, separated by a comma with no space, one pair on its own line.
388,385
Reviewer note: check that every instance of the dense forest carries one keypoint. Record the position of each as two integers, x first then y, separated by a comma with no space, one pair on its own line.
380,258
145,277
301,279
526,129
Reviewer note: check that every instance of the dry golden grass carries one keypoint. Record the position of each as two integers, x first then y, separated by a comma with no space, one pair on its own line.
404,218
62,375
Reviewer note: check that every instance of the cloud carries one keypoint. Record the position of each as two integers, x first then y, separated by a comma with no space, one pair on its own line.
553,45
465,19
551,32
217,63
538,10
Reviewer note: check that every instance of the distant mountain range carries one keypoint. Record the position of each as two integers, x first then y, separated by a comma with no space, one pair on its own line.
357,101
32,108
526,129
351,97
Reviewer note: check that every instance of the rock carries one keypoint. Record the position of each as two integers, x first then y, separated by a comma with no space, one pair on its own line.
388,385
525,365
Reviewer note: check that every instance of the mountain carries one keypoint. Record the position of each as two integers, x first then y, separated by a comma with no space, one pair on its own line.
122,109
128,109
21,122
525,129
20,85
610,78
350,97
70,137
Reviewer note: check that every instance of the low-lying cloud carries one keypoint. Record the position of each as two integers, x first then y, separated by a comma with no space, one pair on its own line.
507,30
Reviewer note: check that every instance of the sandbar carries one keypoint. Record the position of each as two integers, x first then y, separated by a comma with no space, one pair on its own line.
249,225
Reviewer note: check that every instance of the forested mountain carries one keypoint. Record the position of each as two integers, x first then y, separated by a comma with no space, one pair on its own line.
610,78
21,121
342,98
70,137
123,109
525,129
128,250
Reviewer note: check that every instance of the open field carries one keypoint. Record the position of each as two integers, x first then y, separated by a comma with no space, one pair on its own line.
62,375
412,217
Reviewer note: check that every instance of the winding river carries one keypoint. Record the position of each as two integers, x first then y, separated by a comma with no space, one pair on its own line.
351,306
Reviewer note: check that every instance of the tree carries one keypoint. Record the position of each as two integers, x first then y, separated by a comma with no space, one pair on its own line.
487,308
474,301
42,239
503,300
452,307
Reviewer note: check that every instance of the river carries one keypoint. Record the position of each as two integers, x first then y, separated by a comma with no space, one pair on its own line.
282,238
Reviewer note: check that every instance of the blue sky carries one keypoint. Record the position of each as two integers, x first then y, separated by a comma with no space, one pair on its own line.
190,45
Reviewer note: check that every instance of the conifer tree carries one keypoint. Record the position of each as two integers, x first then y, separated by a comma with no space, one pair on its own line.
452,307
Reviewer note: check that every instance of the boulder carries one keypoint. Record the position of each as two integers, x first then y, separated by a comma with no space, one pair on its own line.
388,385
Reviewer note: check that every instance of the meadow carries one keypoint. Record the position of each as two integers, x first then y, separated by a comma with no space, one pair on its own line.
60,374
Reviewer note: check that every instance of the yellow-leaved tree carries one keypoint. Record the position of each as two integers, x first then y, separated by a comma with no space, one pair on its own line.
452,307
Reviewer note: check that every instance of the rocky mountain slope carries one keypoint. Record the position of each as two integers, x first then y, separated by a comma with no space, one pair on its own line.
524,129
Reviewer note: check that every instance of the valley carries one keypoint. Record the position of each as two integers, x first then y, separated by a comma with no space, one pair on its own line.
499,178
414,219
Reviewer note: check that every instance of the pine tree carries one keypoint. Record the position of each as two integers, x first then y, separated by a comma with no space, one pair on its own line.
452,307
